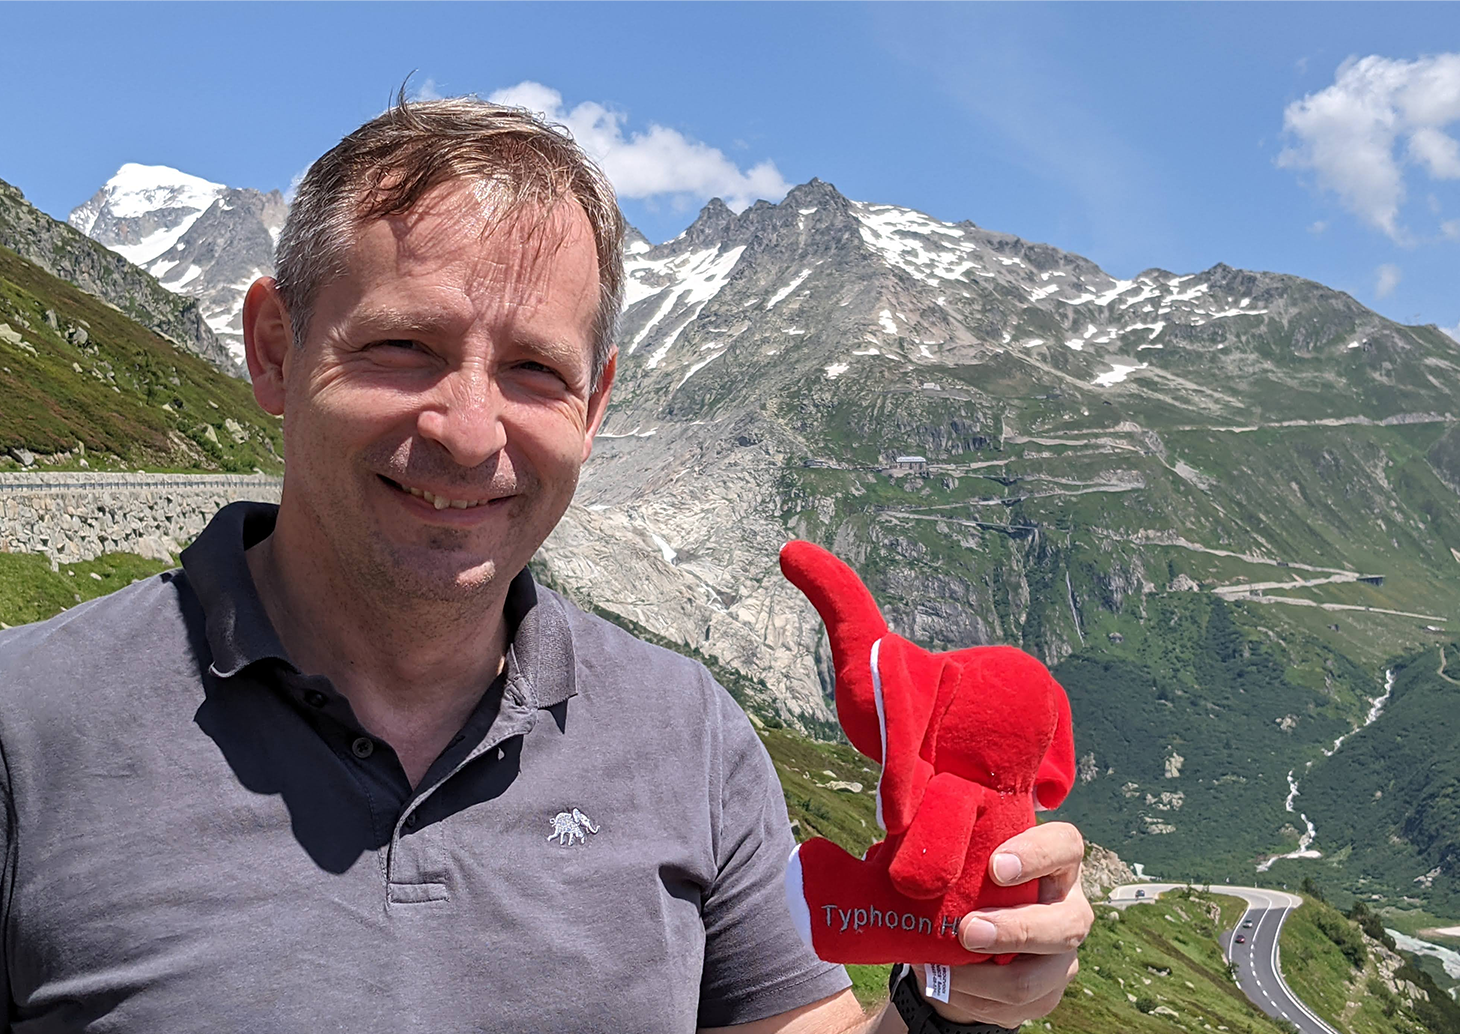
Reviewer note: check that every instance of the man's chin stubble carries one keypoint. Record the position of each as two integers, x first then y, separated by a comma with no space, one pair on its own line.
428,576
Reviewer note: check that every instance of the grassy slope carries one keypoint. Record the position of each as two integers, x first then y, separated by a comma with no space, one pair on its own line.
1160,956
108,390
1197,677
1351,997
31,591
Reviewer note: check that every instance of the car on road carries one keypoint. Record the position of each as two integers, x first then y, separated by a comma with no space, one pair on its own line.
1241,939
1247,925
1140,893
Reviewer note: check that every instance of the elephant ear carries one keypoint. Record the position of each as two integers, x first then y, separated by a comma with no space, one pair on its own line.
1056,773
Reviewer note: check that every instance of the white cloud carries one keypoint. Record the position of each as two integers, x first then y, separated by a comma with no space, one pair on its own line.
655,162
1386,279
1348,133
294,182
1454,331
1439,153
1451,228
1317,227
427,91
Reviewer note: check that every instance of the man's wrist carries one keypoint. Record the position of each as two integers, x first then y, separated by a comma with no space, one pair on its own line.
920,1016
884,1021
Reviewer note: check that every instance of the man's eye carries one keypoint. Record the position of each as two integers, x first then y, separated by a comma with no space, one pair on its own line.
398,342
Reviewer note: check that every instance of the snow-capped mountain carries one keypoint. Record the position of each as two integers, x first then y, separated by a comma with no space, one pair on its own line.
198,238
950,293
778,366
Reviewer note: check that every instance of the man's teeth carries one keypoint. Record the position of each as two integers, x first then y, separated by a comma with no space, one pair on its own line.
441,502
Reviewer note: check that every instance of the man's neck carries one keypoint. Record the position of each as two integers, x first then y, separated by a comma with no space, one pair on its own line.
412,670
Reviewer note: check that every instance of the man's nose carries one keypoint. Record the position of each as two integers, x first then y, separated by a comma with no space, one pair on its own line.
465,416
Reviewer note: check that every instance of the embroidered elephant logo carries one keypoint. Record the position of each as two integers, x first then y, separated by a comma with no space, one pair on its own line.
568,826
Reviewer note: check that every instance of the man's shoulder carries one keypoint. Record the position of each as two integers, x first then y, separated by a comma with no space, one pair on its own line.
609,655
603,645
138,629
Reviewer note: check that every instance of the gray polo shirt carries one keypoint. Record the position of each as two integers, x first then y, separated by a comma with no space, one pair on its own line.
199,836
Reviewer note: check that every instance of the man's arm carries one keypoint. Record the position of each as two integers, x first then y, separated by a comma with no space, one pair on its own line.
1047,935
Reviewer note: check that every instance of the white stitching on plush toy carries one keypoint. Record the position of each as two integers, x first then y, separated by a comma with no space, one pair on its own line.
881,725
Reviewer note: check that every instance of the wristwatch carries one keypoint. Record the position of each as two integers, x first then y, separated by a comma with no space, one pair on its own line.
920,1016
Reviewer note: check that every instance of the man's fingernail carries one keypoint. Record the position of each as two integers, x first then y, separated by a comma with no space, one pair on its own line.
1007,867
978,933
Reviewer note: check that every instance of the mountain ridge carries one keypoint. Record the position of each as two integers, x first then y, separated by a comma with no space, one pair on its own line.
1012,446
65,252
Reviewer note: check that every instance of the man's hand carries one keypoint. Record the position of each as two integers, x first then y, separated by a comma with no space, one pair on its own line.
1027,988
1047,933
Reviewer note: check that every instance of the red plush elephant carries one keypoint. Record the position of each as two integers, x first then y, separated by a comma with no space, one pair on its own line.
970,743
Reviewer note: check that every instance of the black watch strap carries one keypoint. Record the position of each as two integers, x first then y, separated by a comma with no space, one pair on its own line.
920,1016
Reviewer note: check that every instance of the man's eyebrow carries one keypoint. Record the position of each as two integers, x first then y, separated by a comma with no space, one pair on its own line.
557,348
391,320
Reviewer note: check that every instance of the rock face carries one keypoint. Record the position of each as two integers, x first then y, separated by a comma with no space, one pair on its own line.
66,253
200,239
1103,870
72,517
1003,439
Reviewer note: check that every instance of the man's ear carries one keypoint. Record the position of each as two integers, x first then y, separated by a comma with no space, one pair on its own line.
598,402
268,338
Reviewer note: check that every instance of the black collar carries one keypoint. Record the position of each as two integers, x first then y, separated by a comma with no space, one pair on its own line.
540,658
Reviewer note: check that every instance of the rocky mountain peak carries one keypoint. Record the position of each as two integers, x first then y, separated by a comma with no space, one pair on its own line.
710,225
634,241
140,201
815,192
199,238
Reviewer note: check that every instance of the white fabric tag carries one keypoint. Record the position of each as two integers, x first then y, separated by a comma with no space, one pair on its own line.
939,978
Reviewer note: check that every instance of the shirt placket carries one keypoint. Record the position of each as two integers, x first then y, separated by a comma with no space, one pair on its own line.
417,868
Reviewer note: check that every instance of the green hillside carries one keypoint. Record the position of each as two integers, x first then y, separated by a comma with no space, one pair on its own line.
1156,968
31,591
1072,545
84,385
1388,804
1186,731
66,252
1345,968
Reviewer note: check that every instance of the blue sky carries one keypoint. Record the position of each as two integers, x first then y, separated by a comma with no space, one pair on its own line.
1311,139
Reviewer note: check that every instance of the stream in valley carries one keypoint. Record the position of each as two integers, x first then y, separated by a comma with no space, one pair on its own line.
1306,838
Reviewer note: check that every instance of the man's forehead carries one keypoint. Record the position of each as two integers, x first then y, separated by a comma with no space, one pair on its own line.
489,214
464,246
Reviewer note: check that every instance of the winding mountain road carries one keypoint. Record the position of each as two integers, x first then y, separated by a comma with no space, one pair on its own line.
1259,972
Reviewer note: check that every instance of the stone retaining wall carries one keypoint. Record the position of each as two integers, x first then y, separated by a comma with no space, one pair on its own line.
81,515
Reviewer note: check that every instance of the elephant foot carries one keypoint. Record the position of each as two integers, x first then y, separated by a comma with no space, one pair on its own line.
848,911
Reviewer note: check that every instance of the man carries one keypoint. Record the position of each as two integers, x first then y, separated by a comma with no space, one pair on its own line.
350,769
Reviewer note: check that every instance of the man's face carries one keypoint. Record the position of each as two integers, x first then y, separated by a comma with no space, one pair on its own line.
437,416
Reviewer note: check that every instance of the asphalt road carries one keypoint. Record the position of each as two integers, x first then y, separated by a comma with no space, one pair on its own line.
1259,971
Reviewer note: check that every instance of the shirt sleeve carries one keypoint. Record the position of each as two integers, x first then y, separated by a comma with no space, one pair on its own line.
756,964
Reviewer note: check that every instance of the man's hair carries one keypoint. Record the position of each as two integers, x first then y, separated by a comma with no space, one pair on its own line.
387,165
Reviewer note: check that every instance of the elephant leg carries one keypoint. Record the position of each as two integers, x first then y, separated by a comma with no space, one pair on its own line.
930,857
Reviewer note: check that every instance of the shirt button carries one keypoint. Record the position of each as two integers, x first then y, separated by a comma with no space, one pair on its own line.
314,698
411,821
363,747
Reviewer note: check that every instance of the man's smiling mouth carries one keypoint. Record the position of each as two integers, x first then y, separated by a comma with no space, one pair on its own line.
441,502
